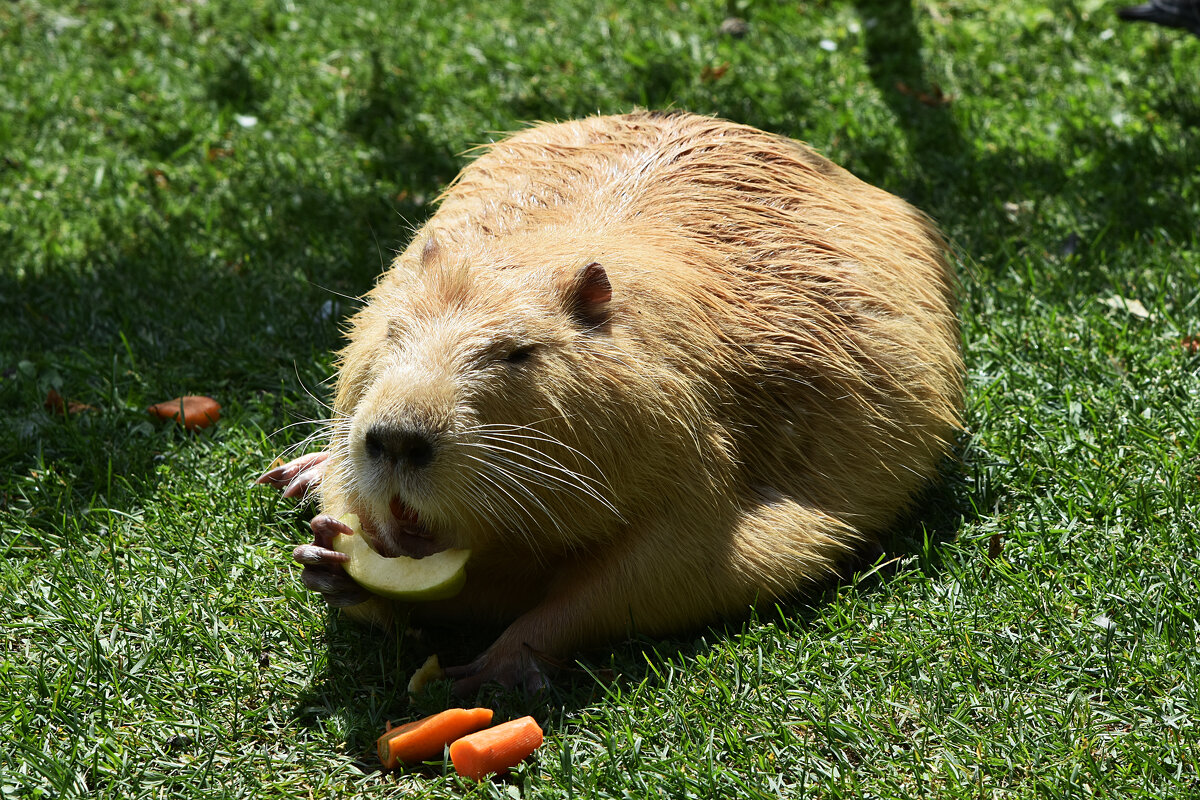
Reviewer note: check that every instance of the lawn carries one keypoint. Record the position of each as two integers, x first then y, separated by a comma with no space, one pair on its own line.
192,194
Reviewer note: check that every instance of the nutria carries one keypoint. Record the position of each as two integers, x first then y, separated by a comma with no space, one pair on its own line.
650,369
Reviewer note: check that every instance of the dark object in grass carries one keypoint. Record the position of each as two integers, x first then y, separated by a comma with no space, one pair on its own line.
56,404
650,369
178,742
995,546
1183,14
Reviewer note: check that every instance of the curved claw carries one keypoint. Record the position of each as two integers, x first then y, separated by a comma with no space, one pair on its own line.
512,668
297,477
314,555
323,571
325,527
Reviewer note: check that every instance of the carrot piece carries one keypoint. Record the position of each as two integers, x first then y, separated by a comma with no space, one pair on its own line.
426,738
191,411
496,749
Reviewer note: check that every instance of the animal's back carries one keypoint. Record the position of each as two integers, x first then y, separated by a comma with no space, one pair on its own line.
818,311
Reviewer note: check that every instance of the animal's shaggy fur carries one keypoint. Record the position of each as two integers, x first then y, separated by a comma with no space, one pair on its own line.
775,374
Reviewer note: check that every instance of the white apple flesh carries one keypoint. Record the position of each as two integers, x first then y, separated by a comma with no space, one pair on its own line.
434,577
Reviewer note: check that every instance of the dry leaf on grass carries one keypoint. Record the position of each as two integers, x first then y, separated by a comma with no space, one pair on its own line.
1128,305
57,405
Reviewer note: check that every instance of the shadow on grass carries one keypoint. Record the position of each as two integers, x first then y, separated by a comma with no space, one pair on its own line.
898,71
1113,198
367,673
406,146
157,313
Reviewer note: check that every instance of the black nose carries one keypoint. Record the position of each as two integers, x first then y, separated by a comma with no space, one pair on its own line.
404,447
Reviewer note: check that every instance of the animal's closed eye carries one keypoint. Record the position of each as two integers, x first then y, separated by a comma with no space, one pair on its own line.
519,355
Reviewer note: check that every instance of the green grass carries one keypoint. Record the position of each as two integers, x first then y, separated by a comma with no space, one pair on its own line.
154,638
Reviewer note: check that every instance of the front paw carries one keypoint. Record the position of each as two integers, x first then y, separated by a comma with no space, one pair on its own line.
513,667
299,477
323,571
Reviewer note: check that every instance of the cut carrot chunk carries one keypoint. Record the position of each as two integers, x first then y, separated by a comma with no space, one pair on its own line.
426,738
496,750
191,411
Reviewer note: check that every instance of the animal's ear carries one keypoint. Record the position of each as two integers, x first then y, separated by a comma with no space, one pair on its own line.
432,251
588,296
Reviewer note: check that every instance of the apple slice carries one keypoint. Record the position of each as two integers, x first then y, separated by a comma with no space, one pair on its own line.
434,577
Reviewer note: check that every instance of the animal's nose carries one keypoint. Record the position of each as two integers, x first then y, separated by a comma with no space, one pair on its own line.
405,447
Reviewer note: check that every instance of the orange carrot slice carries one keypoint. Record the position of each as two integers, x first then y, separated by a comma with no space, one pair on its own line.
191,411
426,738
496,750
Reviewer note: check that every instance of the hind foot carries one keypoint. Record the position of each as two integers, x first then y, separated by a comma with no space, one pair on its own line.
511,667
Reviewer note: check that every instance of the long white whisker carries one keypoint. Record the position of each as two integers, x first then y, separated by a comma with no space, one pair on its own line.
512,481
542,469
478,505
515,440
536,456
327,406
504,512
504,487
530,432
323,428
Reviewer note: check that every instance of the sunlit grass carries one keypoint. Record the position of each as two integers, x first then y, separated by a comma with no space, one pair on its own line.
191,194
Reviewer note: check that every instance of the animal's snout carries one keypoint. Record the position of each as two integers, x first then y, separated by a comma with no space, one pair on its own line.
400,445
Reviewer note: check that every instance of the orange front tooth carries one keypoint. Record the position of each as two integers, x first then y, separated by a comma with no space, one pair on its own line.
402,512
